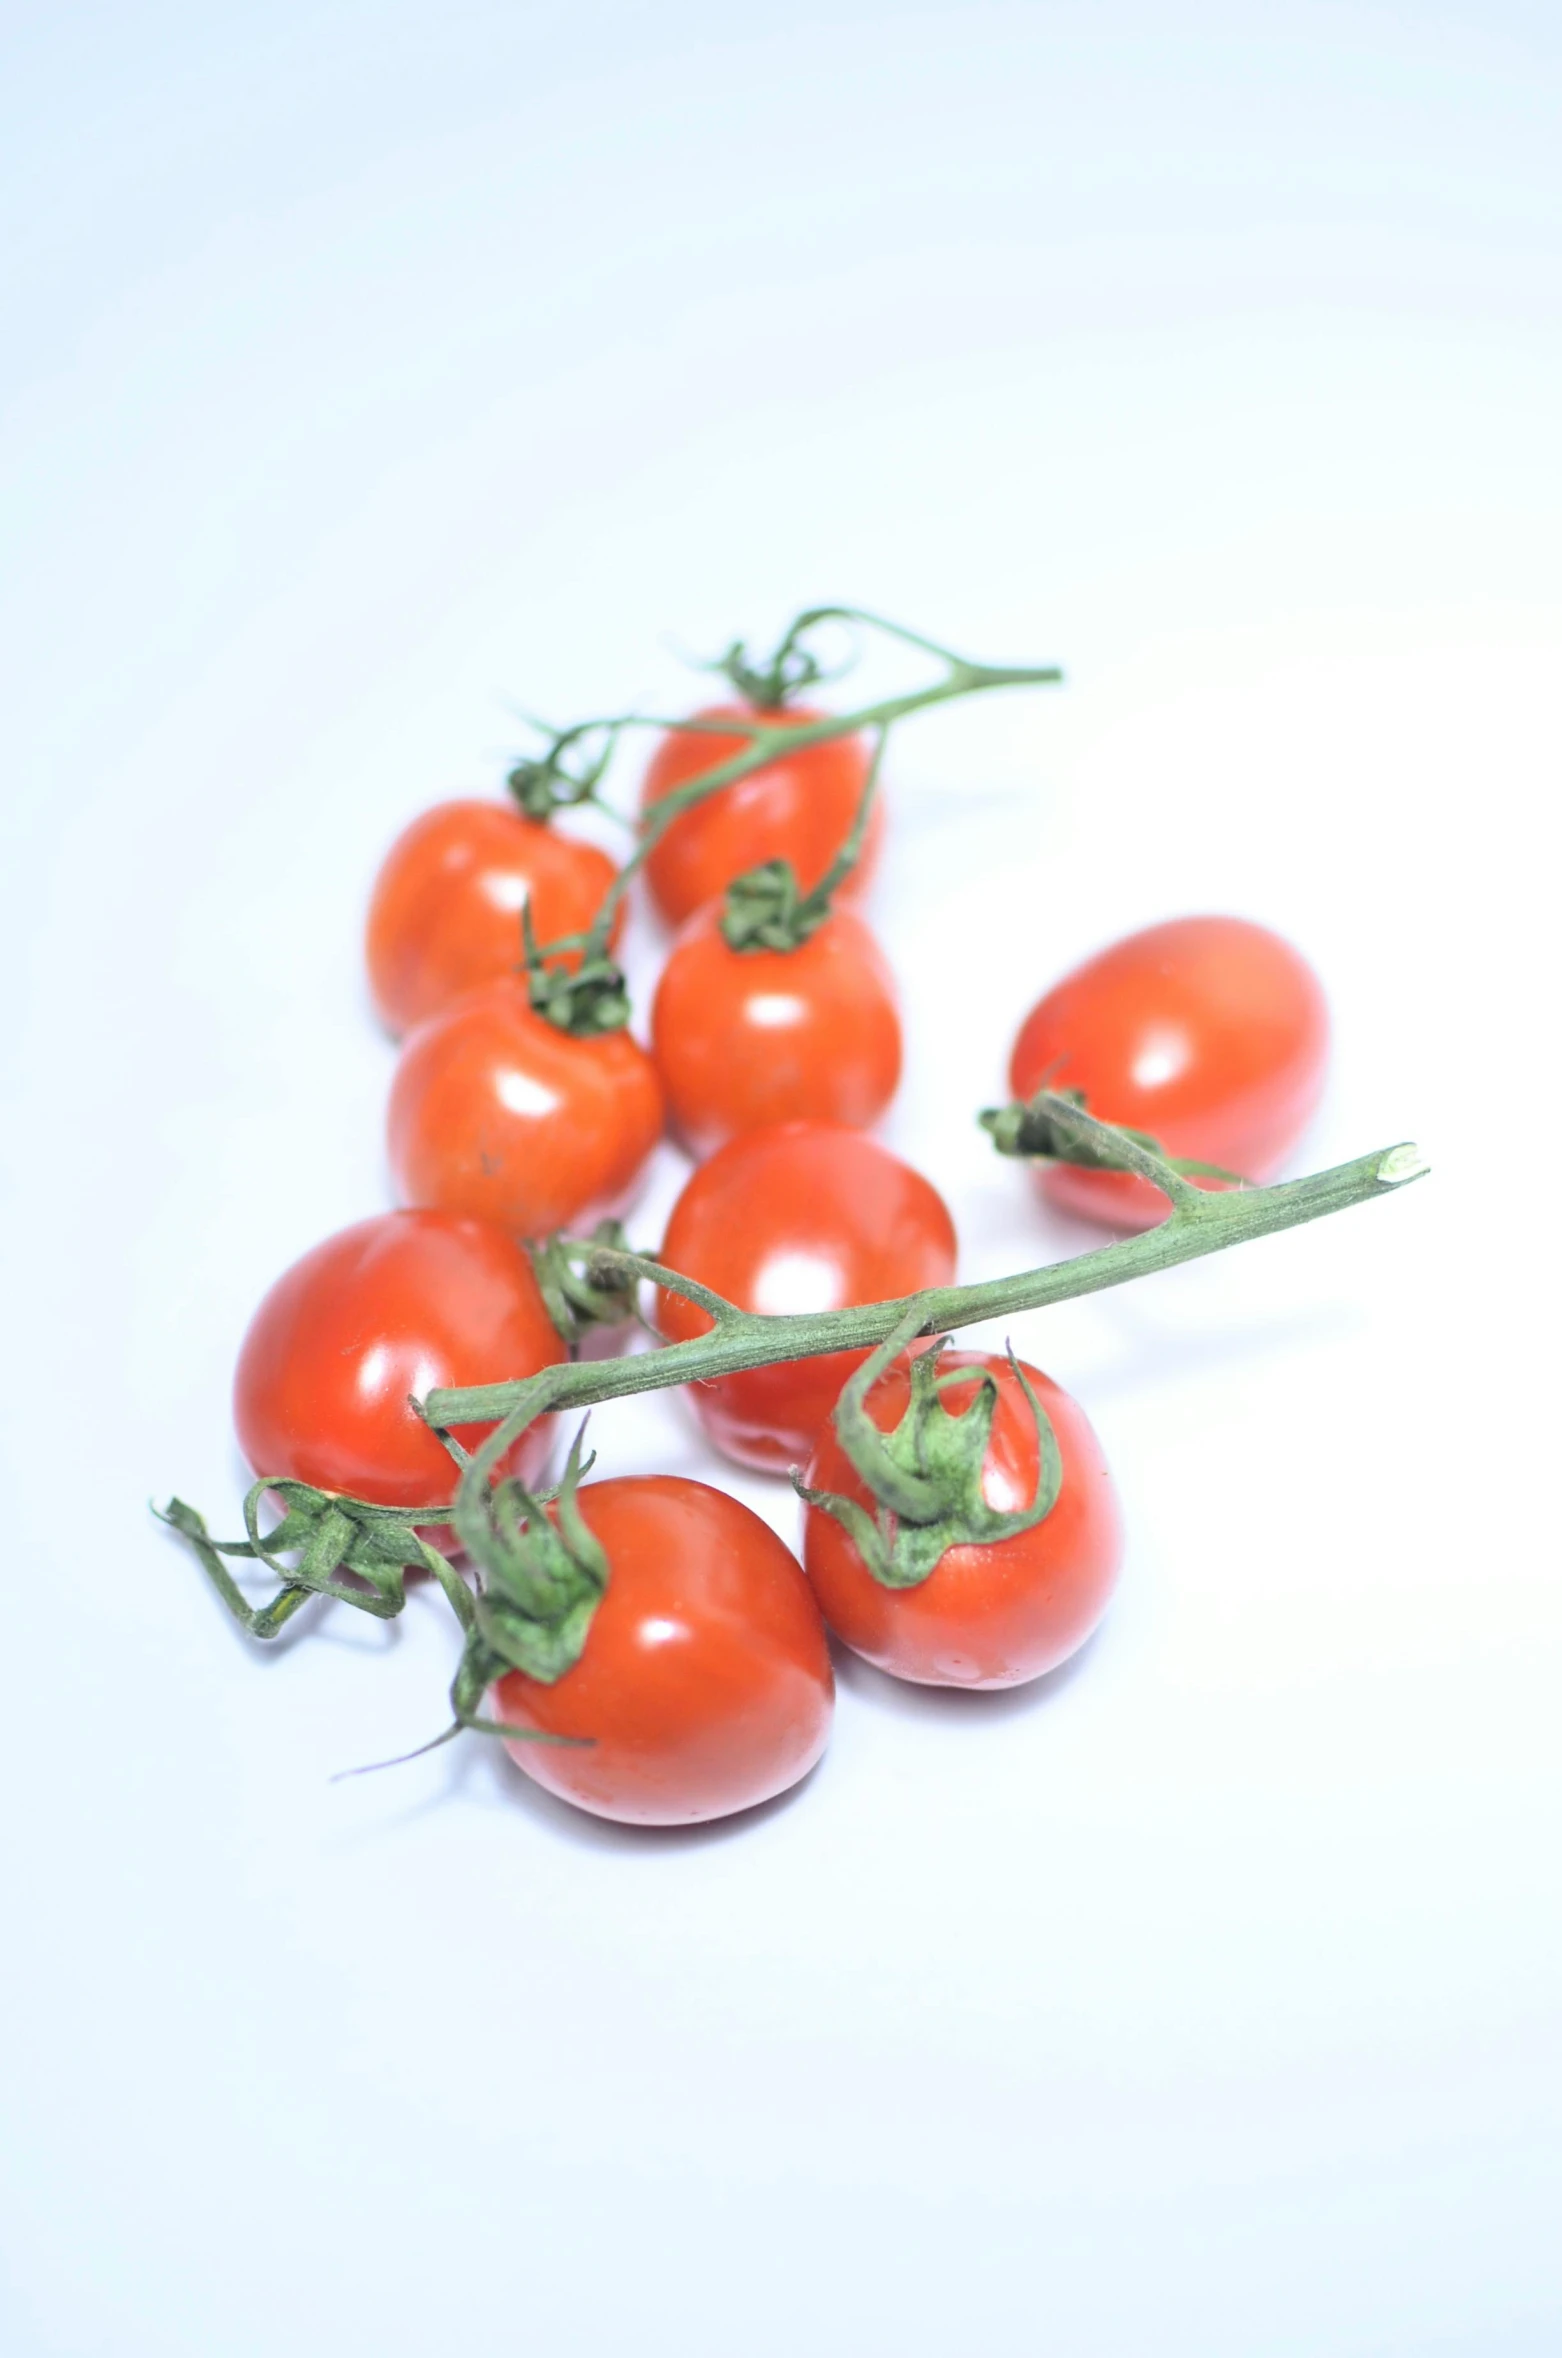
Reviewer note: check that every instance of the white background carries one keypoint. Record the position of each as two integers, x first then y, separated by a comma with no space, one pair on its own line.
368,366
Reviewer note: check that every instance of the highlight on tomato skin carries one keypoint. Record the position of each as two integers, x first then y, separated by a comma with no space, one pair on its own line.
798,808
496,1112
992,1615
1209,1033
705,1683
806,1216
445,912
747,1038
391,1307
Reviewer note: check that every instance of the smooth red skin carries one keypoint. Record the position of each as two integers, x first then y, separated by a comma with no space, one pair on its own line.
987,1616
728,1065
446,908
705,1684
496,1112
799,809
864,1227
1236,1011
385,1309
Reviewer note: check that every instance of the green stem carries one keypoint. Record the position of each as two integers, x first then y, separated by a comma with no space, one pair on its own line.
1198,1223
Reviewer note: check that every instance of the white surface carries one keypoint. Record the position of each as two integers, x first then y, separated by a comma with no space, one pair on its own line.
369,366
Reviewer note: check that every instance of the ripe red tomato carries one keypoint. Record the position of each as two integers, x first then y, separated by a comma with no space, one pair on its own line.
446,907
495,1111
745,1038
392,1306
705,1683
1209,1033
807,1216
990,1615
799,808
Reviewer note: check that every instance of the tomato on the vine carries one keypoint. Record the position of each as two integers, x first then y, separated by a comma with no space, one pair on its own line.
392,1307
446,908
799,808
745,1038
705,1683
808,1216
1208,1033
495,1111
991,1614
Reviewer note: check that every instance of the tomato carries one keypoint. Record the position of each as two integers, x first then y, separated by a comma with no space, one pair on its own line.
807,1216
799,808
392,1306
1209,1033
990,1615
495,1111
705,1683
446,907
745,1038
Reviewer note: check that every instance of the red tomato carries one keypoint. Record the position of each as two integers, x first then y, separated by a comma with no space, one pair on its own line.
808,1216
745,1038
705,1684
390,1307
495,1111
991,1615
800,809
446,908
1209,1033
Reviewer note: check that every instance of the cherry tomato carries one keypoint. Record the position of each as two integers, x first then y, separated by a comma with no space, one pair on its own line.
807,1216
990,1615
800,809
745,1038
1209,1033
495,1111
705,1683
446,907
390,1307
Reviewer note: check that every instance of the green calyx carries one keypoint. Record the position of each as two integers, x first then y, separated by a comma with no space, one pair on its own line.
551,781
794,667
1054,1126
326,1536
926,1474
581,1285
767,909
585,1001
542,1578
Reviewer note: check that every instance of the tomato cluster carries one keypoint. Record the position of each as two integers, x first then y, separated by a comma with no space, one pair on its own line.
960,1526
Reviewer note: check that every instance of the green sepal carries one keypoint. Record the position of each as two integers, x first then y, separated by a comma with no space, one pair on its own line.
926,1475
327,1535
766,909
1055,1126
770,683
542,1576
547,782
581,1292
590,999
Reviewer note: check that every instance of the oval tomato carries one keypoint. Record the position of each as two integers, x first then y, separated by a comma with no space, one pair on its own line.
808,1216
495,1111
446,908
388,1308
1209,1033
746,1038
705,1684
990,1615
799,808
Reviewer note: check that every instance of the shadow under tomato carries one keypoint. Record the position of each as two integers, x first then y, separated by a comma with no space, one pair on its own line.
906,1700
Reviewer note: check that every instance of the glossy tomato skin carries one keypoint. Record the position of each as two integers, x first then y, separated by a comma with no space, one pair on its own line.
807,1216
799,809
1210,1033
986,1616
495,1112
746,1038
445,913
391,1307
705,1683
